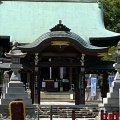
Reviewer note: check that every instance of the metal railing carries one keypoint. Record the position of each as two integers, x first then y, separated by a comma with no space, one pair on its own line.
65,111
56,111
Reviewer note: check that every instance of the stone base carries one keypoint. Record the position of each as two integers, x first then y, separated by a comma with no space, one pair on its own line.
15,90
111,102
108,107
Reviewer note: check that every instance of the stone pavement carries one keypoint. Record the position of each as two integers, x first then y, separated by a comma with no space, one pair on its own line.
68,103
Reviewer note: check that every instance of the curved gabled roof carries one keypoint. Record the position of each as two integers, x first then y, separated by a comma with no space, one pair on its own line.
26,21
62,34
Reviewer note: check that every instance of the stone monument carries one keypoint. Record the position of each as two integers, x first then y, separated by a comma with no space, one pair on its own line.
111,102
15,89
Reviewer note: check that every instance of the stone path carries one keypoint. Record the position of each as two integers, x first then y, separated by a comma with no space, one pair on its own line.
68,103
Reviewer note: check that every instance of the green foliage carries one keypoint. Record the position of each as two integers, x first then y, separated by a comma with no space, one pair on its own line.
109,56
112,14
111,10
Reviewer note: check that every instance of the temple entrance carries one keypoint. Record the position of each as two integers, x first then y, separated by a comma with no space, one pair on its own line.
59,78
59,60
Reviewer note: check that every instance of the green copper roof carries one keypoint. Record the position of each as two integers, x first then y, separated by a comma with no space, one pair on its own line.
27,21
83,1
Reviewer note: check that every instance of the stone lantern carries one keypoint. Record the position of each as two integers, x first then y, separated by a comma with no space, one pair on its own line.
15,88
15,66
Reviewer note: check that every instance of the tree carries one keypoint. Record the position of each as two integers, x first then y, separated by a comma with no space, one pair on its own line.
109,56
112,14
111,10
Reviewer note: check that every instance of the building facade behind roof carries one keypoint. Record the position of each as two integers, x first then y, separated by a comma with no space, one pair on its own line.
31,22
26,21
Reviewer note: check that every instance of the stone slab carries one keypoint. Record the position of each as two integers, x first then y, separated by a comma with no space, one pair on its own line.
17,90
112,101
7,101
14,96
112,95
114,89
15,84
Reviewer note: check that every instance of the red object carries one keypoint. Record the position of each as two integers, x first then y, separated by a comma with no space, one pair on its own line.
111,116
115,116
104,115
73,115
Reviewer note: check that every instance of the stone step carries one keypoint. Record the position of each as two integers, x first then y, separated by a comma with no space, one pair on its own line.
55,96
111,101
13,90
116,84
109,95
7,101
114,90
16,83
14,96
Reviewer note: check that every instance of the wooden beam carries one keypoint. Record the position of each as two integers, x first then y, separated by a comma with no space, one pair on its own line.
59,54
58,64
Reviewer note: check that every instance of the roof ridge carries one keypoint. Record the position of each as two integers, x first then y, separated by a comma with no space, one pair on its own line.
81,1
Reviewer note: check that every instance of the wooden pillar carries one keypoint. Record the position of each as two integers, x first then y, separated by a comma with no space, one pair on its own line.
39,85
77,90
36,87
82,86
105,86
32,86
70,77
